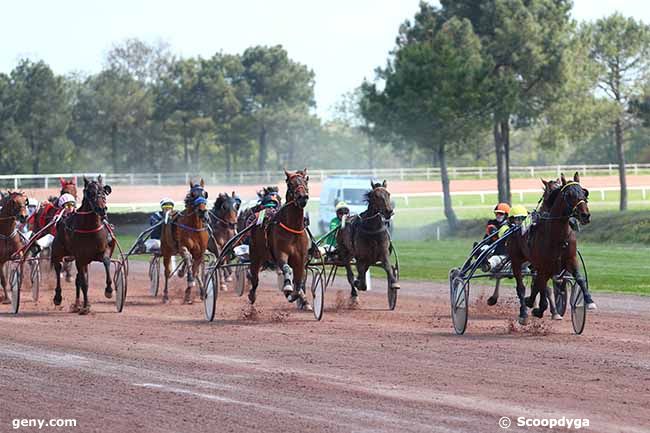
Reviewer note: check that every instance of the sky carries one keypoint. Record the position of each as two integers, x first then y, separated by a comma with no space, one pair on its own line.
342,41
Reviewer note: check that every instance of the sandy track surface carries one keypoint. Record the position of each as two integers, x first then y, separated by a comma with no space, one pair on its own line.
163,368
151,194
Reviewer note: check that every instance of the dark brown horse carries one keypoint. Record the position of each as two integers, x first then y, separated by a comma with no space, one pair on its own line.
366,239
187,235
282,241
84,236
223,223
552,244
14,208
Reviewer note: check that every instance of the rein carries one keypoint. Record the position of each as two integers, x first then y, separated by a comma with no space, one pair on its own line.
283,225
222,221
363,220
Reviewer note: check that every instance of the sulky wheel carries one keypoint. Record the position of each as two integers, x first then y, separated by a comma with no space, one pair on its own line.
35,278
211,291
119,280
560,295
459,296
318,293
15,281
578,308
154,275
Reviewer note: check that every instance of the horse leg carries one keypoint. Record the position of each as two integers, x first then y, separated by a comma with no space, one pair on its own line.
253,273
57,291
77,285
492,300
167,262
3,281
108,291
572,267
354,294
521,292
288,288
67,269
390,275
540,284
360,282
189,268
85,309
299,284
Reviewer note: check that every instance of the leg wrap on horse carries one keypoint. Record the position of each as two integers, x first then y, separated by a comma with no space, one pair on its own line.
287,272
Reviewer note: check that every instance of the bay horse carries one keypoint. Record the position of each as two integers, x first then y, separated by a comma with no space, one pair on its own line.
282,241
552,246
223,223
365,238
14,208
186,235
84,235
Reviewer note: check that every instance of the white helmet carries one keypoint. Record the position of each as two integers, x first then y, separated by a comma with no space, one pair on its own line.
66,198
32,202
165,201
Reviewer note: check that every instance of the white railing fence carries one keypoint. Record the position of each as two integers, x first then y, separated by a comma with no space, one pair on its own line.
261,177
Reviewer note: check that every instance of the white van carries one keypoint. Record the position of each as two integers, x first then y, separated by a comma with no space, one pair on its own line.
350,189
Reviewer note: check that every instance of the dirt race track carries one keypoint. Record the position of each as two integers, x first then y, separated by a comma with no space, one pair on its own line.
156,368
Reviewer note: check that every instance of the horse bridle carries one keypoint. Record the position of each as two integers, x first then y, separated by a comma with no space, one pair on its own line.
301,186
568,208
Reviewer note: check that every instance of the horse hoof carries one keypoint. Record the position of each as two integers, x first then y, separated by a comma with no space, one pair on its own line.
165,299
492,300
84,310
223,288
395,286
538,313
108,293
74,308
530,302
305,306
287,289
354,302
68,279
557,317
251,298
57,301
523,320
592,306
229,279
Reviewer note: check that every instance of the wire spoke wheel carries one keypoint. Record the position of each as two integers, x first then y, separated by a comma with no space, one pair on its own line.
119,280
241,280
211,291
154,276
318,293
578,308
15,280
459,295
35,278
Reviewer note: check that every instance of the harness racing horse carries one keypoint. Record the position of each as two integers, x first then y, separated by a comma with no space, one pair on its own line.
551,246
14,208
223,223
366,239
84,235
282,241
186,235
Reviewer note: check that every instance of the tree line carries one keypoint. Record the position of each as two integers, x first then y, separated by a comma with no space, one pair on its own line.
464,71
149,110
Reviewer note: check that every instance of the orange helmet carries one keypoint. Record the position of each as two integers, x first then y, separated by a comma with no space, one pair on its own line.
502,208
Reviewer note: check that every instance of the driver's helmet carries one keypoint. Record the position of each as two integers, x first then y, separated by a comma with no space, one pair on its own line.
502,208
271,200
518,213
342,208
32,204
67,201
167,204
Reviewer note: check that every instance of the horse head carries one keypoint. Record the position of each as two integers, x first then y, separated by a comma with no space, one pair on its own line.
378,199
14,205
549,187
576,197
95,193
196,199
297,187
69,186
226,208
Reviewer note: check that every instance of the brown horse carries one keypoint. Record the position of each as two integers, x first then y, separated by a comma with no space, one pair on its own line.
187,235
282,241
366,239
223,224
14,208
552,244
84,235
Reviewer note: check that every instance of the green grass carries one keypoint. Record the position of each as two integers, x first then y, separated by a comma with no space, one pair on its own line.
610,267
